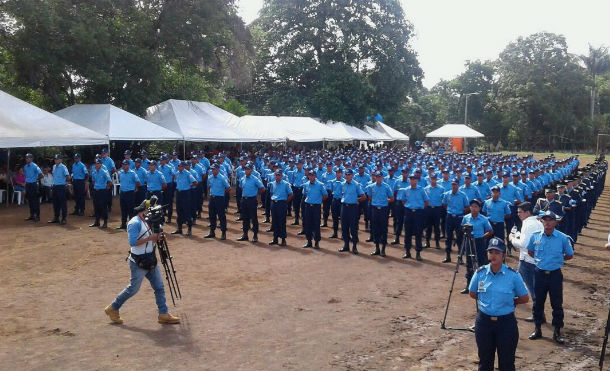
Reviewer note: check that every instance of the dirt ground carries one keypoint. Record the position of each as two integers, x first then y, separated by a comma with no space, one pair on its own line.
251,306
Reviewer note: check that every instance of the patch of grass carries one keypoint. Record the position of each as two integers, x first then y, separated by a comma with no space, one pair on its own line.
584,158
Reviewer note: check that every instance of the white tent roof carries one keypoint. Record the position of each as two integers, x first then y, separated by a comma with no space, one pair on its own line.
377,135
25,125
196,121
259,128
351,131
454,131
115,123
391,132
306,129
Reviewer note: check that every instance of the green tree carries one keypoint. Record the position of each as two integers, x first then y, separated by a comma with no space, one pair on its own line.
597,62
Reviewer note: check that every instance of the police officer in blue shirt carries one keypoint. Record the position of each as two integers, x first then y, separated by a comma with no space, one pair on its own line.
297,179
433,211
327,178
127,156
184,183
129,181
335,206
142,187
380,195
198,191
364,180
144,160
108,163
156,182
168,193
251,187
79,176
351,195
32,175
497,211
398,214
101,183
456,203
481,231
469,190
415,200
549,248
280,193
314,192
498,289
61,177
219,187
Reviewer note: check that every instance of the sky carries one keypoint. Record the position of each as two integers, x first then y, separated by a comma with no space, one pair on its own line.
450,32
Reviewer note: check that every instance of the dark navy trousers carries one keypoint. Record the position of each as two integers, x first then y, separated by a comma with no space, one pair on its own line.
217,210
31,192
414,226
128,202
496,334
311,222
59,201
379,224
349,222
550,282
278,219
79,195
453,223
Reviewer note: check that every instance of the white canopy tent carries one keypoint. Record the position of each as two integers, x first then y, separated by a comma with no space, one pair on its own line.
196,121
116,123
259,128
391,132
350,131
377,135
454,131
306,129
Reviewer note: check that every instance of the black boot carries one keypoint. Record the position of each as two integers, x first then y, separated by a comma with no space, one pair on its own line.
437,245
105,225
223,236
210,235
334,235
244,237
301,232
324,223
283,242
465,291
354,248
447,258
273,242
382,250
189,231
537,334
255,237
270,229
370,239
407,254
427,244
296,221
316,245
122,226
345,247
54,220
460,261
178,231
30,218
96,224
266,220
396,241
308,244
376,252
169,220
557,336
418,256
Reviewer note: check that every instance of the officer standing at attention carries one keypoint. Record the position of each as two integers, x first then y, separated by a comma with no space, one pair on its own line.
456,204
498,289
142,264
251,187
281,194
380,196
315,193
415,200
32,175
219,186
156,182
335,205
481,231
352,194
297,178
142,187
128,181
61,177
398,214
101,183
549,248
111,168
184,182
168,192
497,210
79,176
433,211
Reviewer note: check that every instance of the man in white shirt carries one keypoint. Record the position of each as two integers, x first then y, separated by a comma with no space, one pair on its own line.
46,184
527,265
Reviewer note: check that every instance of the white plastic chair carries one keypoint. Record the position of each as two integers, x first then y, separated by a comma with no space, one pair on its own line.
115,184
19,194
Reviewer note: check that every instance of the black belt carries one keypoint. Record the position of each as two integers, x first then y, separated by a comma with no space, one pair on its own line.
380,207
496,318
344,204
276,201
414,210
246,197
308,204
494,223
455,215
127,191
217,196
548,272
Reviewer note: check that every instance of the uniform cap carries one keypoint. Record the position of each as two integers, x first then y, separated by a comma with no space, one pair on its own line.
495,188
143,153
467,176
124,162
474,201
278,172
76,155
505,174
127,152
248,167
98,161
549,190
349,172
433,176
412,176
496,244
311,172
104,150
137,160
455,182
548,215
215,166
152,163
58,156
183,163
338,170
377,173
29,155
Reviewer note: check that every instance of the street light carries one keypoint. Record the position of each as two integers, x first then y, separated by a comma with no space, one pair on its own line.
466,106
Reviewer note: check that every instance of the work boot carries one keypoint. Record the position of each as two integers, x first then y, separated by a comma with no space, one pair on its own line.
210,235
273,242
296,221
167,318
122,226
324,224
266,220
407,254
354,249
345,247
382,250
189,231
244,237
177,231
269,229
396,241
169,220
334,235
223,236
239,219
255,237
63,221
426,244
529,319
447,258
370,239
537,334
316,245
418,256
36,218
557,336
31,217
465,291
437,245
283,242
308,244
81,213
301,232
105,225
54,220
194,221
96,224
113,314
376,252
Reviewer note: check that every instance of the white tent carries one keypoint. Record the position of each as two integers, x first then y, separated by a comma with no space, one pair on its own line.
391,132
259,128
454,131
196,121
115,123
25,125
350,131
306,129
377,135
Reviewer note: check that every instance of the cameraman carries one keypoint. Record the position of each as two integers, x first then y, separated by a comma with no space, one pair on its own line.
142,263
481,230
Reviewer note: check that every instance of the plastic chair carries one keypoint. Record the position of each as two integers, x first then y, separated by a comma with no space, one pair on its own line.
115,184
19,194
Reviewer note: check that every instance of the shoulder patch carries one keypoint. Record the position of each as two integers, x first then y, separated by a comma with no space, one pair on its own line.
481,268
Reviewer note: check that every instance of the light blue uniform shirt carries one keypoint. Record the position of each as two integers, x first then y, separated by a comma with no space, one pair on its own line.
141,173
297,178
456,202
483,189
218,184
496,292
350,192
128,180
400,183
549,250
184,180
100,178
414,198
364,180
496,210
31,172
510,193
279,190
60,172
471,192
335,187
435,195
480,224
155,180
250,185
108,163
132,165
315,192
79,170
379,194
167,171
446,184
199,170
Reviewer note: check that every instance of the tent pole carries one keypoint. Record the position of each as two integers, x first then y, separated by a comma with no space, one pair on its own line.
184,150
8,166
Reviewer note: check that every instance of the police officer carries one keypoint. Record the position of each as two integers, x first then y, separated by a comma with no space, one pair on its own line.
79,177
351,195
327,178
498,289
218,187
101,183
141,243
456,204
297,178
251,187
111,168
415,200
549,248
335,206
497,211
280,193
61,177
398,214
433,211
549,203
129,181
364,180
156,182
481,231
380,195
184,183
315,193
140,192
168,192
32,175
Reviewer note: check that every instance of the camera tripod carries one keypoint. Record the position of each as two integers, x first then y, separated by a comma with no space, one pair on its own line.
472,264
168,268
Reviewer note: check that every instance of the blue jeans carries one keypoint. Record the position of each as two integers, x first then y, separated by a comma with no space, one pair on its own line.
137,275
527,271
